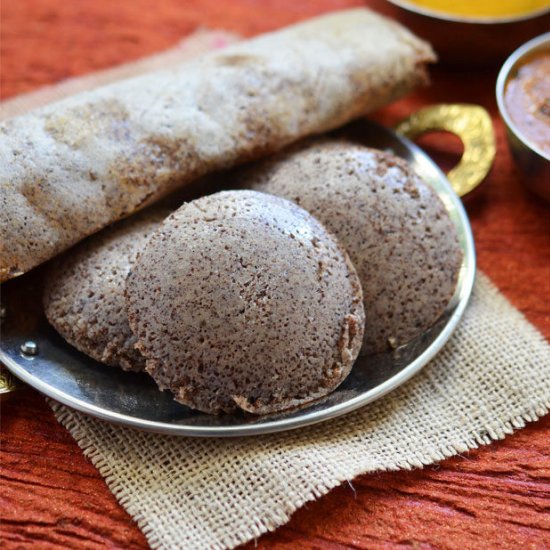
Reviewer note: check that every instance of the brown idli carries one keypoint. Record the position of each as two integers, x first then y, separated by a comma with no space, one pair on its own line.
394,226
84,291
242,300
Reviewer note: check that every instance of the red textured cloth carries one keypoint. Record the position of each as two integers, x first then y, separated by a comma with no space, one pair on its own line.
496,498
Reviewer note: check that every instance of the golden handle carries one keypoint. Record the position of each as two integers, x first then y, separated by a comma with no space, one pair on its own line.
473,125
8,383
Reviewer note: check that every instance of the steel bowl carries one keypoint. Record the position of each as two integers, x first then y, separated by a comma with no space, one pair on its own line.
532,160
470,41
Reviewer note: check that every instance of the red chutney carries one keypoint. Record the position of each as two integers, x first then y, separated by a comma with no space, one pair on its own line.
527,99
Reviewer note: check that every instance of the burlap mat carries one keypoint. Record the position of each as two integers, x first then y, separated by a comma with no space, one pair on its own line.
491,378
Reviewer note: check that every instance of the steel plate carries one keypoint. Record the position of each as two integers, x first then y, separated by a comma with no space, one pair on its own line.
68,376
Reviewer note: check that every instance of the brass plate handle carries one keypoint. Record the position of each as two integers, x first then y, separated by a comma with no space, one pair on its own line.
8,383
473,125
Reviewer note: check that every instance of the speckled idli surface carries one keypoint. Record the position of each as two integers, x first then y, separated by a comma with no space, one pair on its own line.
242,300
84,291
394,226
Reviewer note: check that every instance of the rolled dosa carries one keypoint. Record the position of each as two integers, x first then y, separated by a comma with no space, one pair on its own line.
75,166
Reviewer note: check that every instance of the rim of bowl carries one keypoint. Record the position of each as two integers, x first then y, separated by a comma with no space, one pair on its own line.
503,77
485,20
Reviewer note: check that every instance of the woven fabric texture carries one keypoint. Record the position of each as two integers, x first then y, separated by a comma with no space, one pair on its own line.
492,377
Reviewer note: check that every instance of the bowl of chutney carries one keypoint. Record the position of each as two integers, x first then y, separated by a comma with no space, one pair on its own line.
523,97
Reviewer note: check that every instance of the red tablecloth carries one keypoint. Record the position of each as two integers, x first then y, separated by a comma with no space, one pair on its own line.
497,497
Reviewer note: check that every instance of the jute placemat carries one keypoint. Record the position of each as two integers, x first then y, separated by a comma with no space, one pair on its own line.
491,378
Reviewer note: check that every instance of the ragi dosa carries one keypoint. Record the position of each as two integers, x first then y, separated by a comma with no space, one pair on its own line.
75,166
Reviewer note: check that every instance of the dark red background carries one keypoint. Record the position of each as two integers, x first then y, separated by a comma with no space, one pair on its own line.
496,497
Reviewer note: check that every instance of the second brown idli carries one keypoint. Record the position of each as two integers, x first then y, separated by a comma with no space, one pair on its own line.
84,291
242,300
394,226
